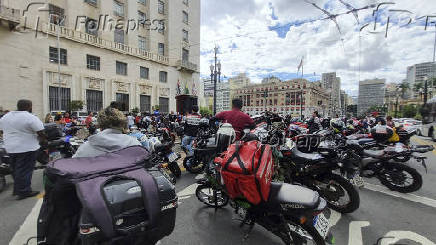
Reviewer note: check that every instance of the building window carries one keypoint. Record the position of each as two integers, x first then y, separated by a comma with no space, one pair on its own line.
92,2
141,18
186,2
53,53
94,100
123,100
185,17
185,36
145,103
185,55
118,9
161,7
142,43
91,27
164,105
142,1
163,76
65,96
56,15
121,68
93,62
161,49
119,36
143,72
161,27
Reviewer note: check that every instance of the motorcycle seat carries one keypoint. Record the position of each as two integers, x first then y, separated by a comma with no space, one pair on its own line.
374,154
305,158
365,141
283,193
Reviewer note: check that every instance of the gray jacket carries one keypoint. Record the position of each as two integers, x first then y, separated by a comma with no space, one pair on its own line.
108,140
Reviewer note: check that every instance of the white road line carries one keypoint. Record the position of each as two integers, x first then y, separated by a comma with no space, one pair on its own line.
393,237
28,228
407,196
355,232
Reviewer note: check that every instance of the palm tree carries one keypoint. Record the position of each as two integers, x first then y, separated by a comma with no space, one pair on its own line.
404,86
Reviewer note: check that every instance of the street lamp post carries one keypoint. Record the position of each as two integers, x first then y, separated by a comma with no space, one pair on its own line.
215,73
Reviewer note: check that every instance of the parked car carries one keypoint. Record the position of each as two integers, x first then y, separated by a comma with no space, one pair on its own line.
412,124
428,128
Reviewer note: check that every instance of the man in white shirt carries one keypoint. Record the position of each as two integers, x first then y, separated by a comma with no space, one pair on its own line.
22,133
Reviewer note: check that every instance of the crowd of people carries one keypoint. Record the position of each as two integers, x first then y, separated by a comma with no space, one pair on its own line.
23,133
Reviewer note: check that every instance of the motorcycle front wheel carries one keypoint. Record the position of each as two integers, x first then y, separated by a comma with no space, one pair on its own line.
211,197
401,178
339,193
2,183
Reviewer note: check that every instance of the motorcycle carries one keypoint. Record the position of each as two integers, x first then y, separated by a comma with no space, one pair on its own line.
162,152
317,171
293,213
204,149
394,175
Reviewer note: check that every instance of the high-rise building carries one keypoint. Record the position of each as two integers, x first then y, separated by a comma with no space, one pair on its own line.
237,82
271,79
418,72
222,95
333,83
134,52
287,98
371,93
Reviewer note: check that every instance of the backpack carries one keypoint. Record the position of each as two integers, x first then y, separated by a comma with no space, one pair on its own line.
246,170
110,199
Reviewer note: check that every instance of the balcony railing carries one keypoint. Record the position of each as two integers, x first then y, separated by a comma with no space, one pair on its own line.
89,39
186,65
10,14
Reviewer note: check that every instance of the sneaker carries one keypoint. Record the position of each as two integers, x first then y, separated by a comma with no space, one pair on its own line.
26,195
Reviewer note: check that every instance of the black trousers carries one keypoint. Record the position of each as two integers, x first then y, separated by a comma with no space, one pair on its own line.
22,170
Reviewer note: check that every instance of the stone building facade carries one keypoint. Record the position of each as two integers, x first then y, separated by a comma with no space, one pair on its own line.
285,98
132,51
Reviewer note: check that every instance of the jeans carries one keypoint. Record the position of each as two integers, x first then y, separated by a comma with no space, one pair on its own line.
22,169
187,143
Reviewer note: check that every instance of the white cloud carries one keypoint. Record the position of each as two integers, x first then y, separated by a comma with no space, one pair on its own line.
241,29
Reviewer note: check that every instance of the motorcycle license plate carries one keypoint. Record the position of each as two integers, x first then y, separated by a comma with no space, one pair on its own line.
172,157
322,225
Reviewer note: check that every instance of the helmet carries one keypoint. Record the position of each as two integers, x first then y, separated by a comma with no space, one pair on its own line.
204,122
337,125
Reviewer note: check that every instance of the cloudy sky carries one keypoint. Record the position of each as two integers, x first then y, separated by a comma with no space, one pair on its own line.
269,37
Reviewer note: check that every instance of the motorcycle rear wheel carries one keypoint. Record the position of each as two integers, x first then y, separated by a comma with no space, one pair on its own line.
2,183
207,195
395,175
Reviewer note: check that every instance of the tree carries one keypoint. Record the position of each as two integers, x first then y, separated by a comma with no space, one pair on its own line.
205,111
409,111
404,86
418,86
76,105
135,110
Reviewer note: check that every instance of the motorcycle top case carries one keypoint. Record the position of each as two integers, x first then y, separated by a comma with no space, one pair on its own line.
105,199
247,169
53,131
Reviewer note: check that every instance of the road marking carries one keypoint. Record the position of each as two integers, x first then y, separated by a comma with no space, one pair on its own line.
355,232
394,236
188,191
28,228
407,196
423,142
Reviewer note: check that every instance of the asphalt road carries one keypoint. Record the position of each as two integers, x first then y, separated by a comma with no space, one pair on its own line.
402,218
